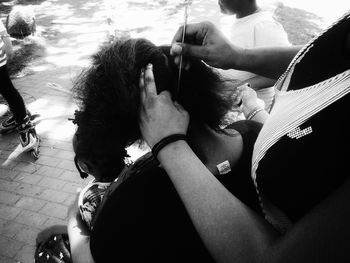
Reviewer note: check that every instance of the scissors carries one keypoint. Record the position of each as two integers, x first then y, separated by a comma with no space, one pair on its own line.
182,41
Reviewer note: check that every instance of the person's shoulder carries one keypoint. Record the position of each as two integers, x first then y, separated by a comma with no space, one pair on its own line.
245,126
265,18
262,16
261,20
269,32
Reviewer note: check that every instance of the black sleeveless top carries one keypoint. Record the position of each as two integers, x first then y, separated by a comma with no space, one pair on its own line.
297,174
144,220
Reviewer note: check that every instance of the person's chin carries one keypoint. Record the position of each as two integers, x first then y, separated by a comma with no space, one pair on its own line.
222,9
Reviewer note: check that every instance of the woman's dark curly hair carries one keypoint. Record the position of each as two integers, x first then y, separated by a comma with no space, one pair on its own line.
108,96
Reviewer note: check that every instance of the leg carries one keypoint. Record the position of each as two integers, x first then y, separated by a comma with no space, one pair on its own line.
21,120
12,96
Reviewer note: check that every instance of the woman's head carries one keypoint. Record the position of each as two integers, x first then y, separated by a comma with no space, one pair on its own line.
108,95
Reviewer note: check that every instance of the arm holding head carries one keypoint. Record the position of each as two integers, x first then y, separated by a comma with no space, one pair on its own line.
230,230
79,238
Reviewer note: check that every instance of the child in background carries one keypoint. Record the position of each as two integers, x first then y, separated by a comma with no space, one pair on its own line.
254,27
20,118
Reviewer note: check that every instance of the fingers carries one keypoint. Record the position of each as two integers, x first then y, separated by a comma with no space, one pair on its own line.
150,85
142,85
195,32
186,64
147,83
189,50
179,107
243,87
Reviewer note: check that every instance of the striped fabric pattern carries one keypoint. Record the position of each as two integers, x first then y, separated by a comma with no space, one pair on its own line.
290,110
293,108
2,54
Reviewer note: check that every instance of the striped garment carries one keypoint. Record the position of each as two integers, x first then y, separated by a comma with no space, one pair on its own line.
291,109
2,54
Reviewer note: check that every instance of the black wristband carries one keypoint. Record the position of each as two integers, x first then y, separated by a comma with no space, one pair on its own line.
165,141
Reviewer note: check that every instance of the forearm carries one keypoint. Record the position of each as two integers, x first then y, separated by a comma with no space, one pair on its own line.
228,228
8,49
270,62
260,116
260,82
255,114
79,241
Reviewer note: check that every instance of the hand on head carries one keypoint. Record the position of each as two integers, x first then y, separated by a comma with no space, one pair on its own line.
206,42
249,99
159,115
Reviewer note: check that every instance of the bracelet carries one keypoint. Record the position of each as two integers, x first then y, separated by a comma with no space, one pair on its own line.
165,141
253,113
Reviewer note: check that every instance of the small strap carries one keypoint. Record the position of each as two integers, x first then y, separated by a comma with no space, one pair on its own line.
165,141
254,112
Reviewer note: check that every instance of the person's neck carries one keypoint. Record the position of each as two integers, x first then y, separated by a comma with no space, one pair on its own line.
214,148
247,10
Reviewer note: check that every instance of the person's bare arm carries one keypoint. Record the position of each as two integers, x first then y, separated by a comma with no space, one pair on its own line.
79,237
229,229
233,233
269,62
7,44
206,42
260,82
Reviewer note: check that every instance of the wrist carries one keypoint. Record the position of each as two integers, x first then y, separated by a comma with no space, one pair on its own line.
170,151
167,141
253,113
247,109
238,59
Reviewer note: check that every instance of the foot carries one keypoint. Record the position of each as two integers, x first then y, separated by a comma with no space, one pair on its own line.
27,135
9,124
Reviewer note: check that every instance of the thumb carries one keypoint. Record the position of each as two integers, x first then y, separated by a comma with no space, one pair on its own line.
189,50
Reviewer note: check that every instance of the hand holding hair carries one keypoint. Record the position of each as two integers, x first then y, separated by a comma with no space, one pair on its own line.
206,42
159,115
249,99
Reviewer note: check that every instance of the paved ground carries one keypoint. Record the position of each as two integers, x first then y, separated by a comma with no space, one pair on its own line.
35,194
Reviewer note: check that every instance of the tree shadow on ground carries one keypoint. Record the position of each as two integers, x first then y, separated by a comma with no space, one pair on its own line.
300,25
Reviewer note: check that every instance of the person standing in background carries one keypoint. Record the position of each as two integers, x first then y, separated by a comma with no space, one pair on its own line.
254,27
20,118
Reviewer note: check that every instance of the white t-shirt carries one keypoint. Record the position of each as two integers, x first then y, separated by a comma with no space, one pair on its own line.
257,30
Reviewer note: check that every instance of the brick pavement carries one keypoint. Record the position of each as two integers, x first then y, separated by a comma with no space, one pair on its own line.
35,194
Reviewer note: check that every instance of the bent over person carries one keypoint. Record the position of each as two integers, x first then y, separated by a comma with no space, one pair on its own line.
141,211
